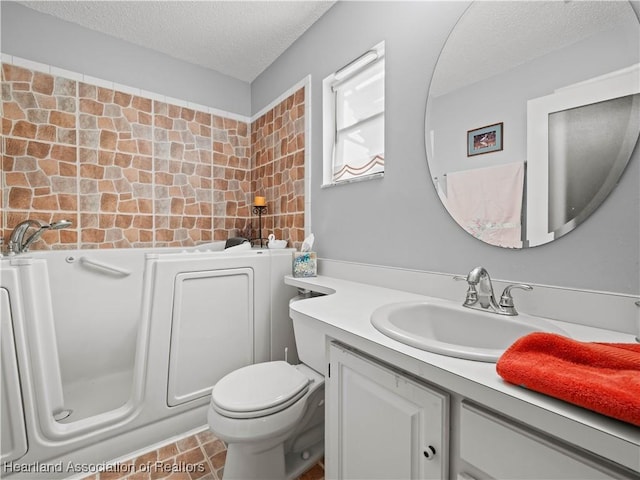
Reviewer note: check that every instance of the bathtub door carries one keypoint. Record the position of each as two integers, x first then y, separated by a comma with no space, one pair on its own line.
211,330
14,437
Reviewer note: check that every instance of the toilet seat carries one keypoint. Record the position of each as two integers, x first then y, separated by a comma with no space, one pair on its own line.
259,390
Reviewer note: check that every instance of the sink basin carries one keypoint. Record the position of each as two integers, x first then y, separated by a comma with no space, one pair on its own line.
456,331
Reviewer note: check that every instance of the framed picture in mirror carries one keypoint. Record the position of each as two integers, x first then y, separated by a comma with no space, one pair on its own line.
484,139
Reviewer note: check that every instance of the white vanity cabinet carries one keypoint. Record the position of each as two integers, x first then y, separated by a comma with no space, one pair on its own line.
494,447
382,424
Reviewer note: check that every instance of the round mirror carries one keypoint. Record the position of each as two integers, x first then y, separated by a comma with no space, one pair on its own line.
532,116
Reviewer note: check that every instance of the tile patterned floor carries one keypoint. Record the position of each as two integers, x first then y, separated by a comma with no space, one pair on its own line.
198,457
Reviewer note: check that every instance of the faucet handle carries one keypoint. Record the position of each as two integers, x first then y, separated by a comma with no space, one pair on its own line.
472,293
506,300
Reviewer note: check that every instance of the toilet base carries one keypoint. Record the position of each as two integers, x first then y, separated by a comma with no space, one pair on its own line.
245,462
299,462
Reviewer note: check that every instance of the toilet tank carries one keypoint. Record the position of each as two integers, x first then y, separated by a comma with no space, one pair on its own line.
310,339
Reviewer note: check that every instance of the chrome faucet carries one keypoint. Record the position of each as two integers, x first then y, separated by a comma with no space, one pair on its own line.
17,241
480,293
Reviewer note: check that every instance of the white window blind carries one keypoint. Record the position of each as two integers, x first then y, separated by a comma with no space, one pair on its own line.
358,149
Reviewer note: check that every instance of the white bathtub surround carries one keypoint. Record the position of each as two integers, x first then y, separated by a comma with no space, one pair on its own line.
132,356
343,315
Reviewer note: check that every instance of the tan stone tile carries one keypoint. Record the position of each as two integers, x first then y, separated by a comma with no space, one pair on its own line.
20,198
129,146
146,236
218,460
167,451
67,202
21,87
145,118
105,95
129,114
24,129
15,146
106,123
213,447
203,118
13,73
7,125
87,90
62,119
144,461
140,103
200,470
46,133
143,221
122,99
163,235
91,106
47,203
187,114
12,111
124,221
128,206
108,140
16,179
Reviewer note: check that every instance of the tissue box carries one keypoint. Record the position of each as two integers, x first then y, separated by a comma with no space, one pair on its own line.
304,264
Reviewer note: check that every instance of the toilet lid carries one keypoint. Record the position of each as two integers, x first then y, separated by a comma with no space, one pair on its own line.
259,387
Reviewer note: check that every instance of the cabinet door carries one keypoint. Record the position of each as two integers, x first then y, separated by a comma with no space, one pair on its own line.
381,424
502,449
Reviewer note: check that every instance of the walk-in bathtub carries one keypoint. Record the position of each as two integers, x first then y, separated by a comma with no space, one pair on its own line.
105,352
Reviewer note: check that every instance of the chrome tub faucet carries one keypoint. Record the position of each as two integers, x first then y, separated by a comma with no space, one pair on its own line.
19,244
480,294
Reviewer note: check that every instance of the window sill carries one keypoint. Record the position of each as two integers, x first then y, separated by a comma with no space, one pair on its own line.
375,176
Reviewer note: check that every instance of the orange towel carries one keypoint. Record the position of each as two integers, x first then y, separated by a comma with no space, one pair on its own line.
604,377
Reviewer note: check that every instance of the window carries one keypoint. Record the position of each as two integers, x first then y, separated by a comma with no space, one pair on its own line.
354,120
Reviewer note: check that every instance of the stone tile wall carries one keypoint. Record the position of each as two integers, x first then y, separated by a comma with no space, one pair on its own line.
183,175
39,146
278,140
115,180
232,171
129,171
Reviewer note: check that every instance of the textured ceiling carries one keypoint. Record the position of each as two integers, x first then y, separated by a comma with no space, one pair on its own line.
237,38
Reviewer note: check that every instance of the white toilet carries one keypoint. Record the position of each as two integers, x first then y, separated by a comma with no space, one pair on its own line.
271,415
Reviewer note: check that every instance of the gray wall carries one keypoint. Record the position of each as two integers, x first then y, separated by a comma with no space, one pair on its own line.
503,98
399,220
46,39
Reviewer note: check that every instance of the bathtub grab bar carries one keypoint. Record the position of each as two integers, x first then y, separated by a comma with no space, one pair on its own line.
105,266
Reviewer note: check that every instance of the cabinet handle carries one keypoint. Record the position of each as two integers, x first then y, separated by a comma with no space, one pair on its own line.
429,452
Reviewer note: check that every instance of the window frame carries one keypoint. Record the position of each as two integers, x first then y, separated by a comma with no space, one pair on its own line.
331,134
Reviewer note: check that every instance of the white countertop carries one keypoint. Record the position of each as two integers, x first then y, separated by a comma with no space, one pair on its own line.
345,312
